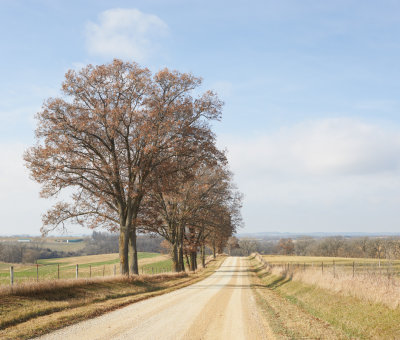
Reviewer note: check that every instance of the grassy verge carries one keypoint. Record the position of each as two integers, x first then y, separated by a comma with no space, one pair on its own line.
352,317
25,315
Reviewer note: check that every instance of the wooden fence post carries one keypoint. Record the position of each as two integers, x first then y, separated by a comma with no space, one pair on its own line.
104,269
77,270
12,275
90,270
37,272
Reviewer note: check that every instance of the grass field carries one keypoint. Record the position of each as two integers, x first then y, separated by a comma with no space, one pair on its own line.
53,243
341,264
349,307
367,280
88,266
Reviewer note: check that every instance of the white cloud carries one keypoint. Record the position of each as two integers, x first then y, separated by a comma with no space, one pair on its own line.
325,175
125,33
324,147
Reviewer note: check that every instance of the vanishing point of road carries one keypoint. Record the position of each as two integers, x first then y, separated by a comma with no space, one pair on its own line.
221,306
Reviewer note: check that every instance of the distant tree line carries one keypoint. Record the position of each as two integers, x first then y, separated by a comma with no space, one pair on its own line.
98,243
23,253
337,246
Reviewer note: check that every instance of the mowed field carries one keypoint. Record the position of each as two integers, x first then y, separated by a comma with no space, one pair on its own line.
88,266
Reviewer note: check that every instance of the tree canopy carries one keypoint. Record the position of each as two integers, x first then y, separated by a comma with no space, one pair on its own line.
120,136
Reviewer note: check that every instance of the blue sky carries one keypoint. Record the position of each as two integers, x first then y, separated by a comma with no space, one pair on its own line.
311,119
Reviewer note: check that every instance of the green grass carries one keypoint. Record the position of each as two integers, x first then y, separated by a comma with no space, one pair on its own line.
157,267
88,267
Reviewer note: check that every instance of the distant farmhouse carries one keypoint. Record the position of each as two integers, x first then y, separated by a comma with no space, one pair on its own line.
24,240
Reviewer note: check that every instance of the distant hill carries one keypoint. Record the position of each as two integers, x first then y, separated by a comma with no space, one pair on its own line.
278,235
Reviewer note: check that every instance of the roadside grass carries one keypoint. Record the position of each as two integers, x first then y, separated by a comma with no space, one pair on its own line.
57,303
376,286
355,317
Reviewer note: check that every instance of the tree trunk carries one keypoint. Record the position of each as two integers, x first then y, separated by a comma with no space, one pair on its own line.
181,255
123,250
193,261
176,267
187,260
203,255
132,241
214,253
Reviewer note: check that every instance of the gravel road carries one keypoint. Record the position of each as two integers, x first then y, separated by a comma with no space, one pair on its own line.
221,306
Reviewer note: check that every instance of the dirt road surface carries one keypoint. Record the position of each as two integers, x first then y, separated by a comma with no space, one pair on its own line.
221,306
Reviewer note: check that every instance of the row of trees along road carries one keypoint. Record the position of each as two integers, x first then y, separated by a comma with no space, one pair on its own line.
137,153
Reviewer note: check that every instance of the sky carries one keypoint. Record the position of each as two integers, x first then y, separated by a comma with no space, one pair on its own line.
311,120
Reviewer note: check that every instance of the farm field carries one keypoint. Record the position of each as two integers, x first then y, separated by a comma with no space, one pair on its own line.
361,265
52,243
88,266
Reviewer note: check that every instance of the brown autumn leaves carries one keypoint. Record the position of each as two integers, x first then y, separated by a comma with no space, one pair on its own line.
136,153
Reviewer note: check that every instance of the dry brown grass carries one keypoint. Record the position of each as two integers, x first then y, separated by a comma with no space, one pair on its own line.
38,308
369,286
87,258
354,317
33,287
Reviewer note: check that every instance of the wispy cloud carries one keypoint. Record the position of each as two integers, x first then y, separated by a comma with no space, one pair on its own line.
125,33
339,174
333,147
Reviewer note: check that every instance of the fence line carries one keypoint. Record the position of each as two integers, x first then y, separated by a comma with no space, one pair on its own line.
41,272
353,269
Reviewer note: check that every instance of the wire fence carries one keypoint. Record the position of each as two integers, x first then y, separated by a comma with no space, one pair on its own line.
16,274
386,270
39,272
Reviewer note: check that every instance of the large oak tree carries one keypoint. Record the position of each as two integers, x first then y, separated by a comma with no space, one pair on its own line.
114,126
